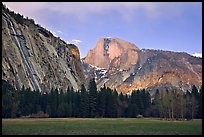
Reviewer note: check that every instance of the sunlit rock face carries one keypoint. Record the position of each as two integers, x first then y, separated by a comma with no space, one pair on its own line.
121,65
33,57
112,51
165,70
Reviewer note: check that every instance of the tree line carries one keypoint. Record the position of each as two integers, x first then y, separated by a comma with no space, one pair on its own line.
103,103
177,104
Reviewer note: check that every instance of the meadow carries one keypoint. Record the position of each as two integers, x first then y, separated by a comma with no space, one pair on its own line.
100,126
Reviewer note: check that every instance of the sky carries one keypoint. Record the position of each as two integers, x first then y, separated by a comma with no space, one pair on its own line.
173,26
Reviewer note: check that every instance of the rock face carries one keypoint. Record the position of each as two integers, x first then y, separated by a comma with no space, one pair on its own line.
33,57
115,51
126,67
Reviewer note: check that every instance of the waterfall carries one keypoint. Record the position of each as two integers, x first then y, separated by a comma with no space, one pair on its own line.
31,72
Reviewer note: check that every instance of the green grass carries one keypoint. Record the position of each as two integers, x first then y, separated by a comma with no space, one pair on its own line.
100,126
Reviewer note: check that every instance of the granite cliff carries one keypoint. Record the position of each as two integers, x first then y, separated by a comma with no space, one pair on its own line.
32,56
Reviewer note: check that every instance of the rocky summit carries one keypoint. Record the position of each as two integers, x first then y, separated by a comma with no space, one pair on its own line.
113,52
33,57
123,66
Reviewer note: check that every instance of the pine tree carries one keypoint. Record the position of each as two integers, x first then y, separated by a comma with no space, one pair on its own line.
92,98
200,103
84,105
54,102
76,104
146,101
122,105
72,102
48,110
115,103
195,101
28,102
109,111
101,102
69,110
195,92
61,111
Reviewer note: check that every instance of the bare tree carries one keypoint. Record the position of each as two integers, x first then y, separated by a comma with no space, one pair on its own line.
194,107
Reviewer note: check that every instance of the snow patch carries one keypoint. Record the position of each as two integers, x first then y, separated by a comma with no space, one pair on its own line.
97,68
197,55
103,72
105,81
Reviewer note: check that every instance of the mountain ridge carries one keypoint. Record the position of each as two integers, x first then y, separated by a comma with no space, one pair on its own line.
151,69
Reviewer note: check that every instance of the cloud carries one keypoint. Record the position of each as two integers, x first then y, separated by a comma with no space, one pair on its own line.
197,55
30,10
67,42
25,8
127,10
60,32
84,10
76,41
